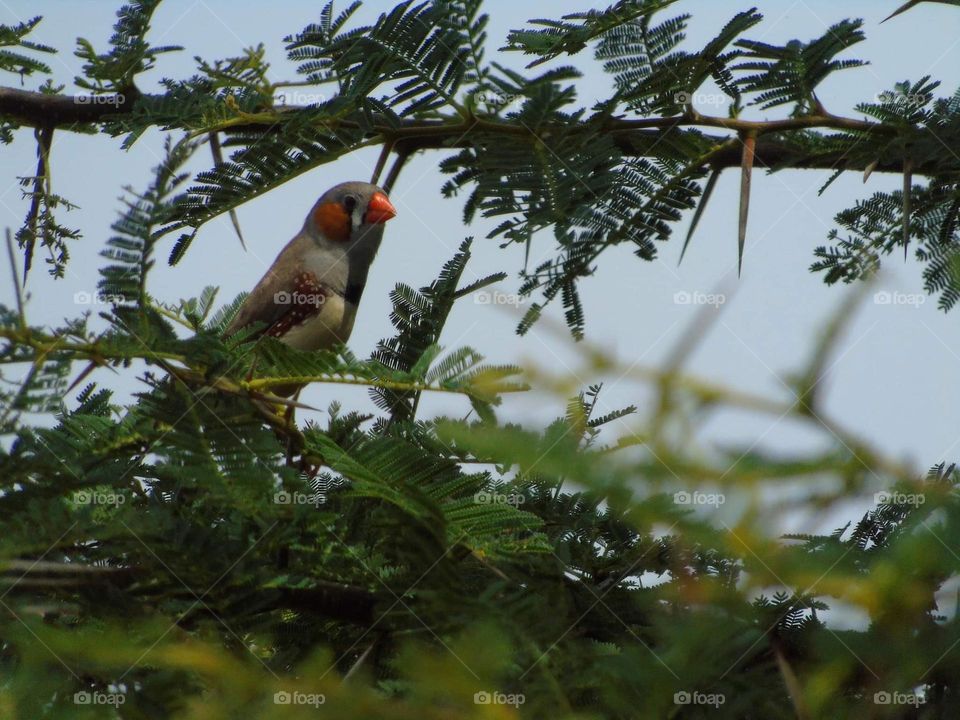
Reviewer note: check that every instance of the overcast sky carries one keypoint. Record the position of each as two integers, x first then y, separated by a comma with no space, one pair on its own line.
893,379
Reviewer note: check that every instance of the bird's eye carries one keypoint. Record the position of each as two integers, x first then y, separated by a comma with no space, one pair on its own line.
349,202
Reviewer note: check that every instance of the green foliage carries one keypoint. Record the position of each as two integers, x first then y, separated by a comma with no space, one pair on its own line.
41,223
419,318
572,34
132,248
790,74
665,79
875,228
13,36
286,559
130,53
194,552
525,150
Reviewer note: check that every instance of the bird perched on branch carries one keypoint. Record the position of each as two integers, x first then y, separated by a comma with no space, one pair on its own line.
308,298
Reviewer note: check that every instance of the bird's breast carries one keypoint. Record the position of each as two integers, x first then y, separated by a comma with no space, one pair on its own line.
331,324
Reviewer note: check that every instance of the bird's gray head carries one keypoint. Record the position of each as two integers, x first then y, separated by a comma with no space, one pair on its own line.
347,224
349,212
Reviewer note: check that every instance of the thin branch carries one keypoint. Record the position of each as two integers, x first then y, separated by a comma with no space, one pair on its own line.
21,317
41,187
402,155
327,599
331,378
746,174
381,161
907,189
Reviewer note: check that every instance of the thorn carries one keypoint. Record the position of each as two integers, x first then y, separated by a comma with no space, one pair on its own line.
80,378
217,153
277,400
868,171
698,213
902,9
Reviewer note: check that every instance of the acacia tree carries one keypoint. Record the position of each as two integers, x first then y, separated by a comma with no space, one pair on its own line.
196,553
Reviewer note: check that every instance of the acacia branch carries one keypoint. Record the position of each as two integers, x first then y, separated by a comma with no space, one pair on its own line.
633,137
62,111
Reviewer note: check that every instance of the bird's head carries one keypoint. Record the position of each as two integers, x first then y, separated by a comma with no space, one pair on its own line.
349,213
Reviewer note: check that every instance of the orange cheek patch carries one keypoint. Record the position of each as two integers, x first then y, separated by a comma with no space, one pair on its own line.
332,220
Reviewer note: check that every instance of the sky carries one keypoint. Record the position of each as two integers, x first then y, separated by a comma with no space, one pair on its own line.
892,379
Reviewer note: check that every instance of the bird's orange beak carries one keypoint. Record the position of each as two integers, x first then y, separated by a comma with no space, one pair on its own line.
380,209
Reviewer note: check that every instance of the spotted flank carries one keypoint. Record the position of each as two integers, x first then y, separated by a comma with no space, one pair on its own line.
303,302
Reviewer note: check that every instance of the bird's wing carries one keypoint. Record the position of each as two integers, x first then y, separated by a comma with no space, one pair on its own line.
284,298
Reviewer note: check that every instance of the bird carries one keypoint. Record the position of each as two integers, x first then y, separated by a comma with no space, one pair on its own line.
309,296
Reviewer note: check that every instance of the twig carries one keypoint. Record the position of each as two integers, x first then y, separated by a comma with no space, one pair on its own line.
382,161
746,173
402,155
44,136
21,317
327,599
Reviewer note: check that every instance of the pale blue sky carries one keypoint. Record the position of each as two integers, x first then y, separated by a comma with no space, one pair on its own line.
893,379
